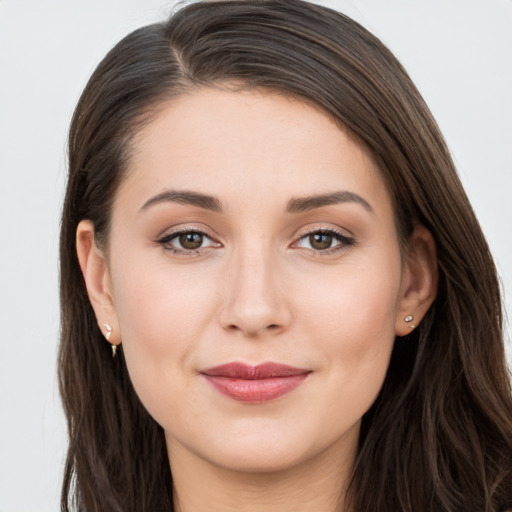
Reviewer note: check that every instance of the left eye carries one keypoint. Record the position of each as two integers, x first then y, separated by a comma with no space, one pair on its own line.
323,240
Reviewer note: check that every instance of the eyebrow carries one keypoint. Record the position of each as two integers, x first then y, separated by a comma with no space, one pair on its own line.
303,204
184,197
295,205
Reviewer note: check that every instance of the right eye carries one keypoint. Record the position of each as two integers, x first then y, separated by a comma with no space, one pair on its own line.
187,241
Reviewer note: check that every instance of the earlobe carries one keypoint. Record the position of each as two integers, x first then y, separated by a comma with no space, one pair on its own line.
419,281
97,279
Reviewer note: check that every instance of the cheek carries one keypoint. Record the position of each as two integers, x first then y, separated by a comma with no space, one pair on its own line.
162,312
358,301
161,299
352,318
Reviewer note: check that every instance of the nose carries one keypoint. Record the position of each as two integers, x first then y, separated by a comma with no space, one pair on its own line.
255,301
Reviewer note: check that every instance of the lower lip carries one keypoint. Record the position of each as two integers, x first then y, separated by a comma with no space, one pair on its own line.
256,391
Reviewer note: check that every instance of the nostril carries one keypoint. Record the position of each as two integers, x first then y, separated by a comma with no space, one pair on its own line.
236,328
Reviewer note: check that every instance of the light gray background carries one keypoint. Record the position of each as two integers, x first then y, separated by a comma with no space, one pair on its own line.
457,51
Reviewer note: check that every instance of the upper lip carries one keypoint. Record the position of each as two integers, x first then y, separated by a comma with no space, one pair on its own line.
244,371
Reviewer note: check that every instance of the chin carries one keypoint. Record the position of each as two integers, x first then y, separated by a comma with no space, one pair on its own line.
270,446
260,458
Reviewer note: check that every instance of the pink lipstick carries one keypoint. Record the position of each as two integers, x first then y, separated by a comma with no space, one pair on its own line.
255,384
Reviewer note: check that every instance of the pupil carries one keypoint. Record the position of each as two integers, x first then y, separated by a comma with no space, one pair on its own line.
191,240
320,241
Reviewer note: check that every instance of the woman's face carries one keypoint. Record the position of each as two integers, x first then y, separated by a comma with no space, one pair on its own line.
251,230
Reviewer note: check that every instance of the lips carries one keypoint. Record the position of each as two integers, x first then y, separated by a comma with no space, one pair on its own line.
255,384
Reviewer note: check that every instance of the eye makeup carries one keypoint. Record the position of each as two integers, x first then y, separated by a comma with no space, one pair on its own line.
191,241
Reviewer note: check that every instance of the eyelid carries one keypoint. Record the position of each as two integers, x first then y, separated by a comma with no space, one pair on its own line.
165,239
345,240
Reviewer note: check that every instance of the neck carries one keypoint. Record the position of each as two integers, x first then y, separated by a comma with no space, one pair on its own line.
318,484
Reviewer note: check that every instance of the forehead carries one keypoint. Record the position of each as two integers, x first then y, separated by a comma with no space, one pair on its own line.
260,144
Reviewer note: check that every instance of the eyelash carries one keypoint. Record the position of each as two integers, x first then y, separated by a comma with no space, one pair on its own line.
344,241
166,240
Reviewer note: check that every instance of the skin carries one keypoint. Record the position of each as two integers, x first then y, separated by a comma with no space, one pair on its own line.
258,289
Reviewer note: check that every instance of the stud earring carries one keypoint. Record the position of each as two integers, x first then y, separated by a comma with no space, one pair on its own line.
109,331
409,319
107,337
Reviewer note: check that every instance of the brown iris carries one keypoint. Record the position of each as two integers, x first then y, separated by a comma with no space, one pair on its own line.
191,240
320,241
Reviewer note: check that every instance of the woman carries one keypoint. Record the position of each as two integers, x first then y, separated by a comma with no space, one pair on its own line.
300,309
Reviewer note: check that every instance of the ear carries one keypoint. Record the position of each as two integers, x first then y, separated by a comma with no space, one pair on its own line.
419,281
97,280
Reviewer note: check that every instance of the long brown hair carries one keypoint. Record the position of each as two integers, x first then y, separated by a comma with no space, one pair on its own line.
439,436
